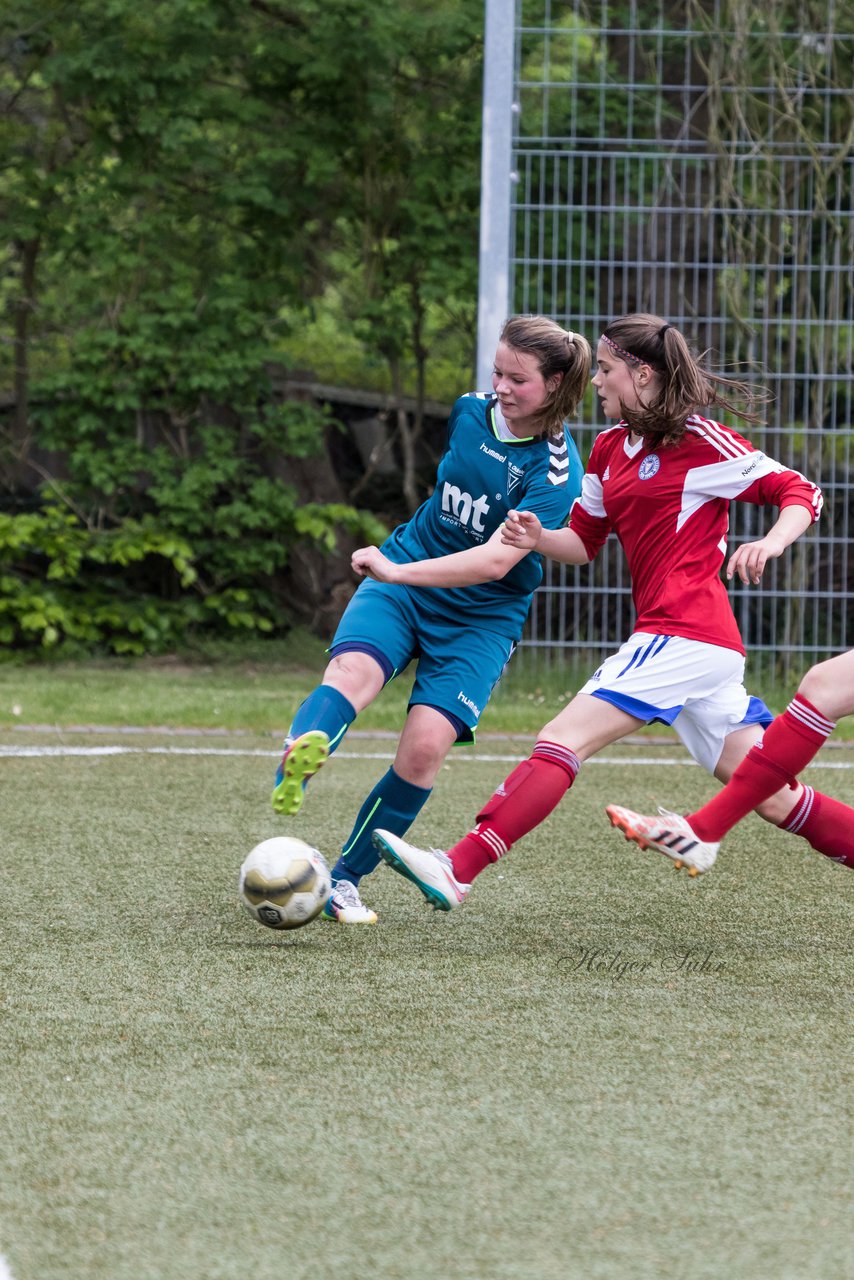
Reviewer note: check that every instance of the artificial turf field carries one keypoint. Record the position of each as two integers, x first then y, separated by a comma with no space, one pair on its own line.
596,1068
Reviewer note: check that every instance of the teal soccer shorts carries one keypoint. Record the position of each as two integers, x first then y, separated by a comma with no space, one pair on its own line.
457,663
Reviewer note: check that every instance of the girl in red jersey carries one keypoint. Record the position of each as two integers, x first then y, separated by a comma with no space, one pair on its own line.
661,479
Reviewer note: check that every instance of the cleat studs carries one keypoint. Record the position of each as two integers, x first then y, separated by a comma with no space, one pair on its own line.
678,864
692,871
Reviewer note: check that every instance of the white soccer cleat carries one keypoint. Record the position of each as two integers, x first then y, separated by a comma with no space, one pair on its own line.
669,833
345,906
431,869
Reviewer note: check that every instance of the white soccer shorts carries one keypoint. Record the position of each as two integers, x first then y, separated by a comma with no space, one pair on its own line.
697,688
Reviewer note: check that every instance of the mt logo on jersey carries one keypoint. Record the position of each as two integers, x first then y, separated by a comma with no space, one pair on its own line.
465,508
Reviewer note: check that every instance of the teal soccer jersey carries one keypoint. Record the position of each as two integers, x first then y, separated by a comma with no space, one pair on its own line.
480,478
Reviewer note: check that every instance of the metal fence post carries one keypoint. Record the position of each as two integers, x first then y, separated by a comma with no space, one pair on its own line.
496,183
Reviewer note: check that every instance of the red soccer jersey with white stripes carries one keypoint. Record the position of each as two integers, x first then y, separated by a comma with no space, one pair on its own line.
669,507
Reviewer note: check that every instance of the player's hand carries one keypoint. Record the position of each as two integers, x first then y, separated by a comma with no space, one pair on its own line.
369,562
521,529
749,560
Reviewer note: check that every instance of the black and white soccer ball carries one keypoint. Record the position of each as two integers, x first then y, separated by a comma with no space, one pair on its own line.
284,883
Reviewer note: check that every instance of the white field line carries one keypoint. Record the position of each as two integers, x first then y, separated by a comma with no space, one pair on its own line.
14,752
5,1273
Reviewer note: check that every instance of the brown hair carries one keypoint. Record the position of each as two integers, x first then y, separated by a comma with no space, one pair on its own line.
686,386
556,350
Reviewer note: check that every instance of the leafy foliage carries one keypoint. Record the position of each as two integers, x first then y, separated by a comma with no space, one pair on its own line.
181,179
67,587
135,588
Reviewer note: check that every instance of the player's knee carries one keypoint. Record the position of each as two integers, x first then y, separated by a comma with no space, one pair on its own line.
420,768
357,676
555,731
419,759
826,687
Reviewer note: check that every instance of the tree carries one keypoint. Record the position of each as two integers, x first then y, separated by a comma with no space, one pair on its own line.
180,177
412,227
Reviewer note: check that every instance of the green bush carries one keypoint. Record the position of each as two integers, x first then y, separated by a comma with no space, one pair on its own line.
137,588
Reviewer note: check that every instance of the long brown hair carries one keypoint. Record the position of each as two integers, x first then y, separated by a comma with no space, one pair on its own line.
685,385
556,350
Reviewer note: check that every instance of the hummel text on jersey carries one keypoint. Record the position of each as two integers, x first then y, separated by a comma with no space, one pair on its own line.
468,510
467,702
499,457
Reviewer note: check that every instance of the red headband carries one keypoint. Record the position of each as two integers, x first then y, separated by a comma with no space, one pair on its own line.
626,355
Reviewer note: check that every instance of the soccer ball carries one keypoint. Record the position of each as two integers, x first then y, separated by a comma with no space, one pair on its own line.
284,883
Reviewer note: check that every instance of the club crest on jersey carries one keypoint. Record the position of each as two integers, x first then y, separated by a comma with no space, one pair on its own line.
649,467
514,475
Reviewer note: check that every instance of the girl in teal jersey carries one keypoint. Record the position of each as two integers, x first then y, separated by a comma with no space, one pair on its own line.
445,592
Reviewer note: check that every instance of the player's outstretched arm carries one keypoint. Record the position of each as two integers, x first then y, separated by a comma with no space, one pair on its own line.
524,531
486,563
750,559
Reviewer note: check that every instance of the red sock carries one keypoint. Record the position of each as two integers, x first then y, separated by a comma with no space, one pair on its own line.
790,742
826,823
521,802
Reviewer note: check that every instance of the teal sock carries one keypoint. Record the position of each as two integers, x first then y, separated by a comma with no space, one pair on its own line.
394,805
324,708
